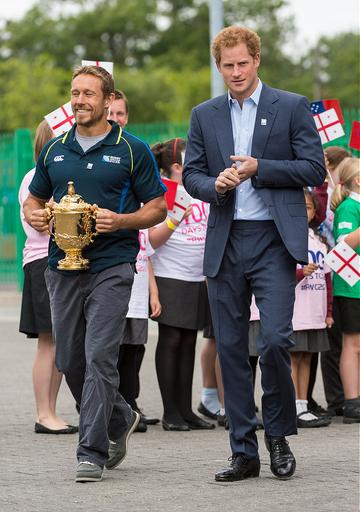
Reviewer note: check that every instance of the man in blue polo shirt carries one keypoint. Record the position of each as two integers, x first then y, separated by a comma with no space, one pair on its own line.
116,171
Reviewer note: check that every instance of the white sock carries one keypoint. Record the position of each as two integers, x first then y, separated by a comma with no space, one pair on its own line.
302,406
210,398
222,411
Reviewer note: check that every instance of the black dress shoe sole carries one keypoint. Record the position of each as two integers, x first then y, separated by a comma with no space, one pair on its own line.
244,476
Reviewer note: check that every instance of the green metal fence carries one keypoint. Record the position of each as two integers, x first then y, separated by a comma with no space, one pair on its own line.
16,158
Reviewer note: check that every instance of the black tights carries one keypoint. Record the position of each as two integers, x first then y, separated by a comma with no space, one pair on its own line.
175,357
127,368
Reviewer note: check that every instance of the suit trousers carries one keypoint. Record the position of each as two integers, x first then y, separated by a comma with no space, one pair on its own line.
88,315
255,262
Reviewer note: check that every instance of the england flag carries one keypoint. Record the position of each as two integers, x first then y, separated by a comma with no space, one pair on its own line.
109,66
61,119
345,262
328,125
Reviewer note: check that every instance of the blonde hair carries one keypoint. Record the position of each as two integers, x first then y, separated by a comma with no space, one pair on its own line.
43,134
232,36
349,169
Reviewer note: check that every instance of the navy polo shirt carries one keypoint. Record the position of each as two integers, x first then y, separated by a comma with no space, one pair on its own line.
118,173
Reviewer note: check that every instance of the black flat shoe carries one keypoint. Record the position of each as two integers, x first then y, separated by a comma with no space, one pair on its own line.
241,467
282,460
199,424
41,429
176,427
321,421
205,412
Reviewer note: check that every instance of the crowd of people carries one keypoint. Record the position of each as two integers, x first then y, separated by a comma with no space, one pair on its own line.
244,265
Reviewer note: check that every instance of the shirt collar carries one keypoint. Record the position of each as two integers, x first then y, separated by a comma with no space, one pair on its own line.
111,138
355,196
255,96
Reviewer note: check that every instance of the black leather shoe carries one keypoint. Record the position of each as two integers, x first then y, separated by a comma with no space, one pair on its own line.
149,420
199,424
241,467
282,460
204,411
176,427
141,426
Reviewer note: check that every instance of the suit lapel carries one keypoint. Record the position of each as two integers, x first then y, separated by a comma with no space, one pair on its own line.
223,129
265,117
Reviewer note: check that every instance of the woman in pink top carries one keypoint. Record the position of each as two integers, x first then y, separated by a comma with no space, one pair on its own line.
35,318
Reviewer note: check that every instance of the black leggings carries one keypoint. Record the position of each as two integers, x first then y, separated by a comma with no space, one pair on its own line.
175,357
127,368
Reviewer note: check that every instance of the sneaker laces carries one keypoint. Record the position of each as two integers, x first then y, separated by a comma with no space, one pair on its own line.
87,462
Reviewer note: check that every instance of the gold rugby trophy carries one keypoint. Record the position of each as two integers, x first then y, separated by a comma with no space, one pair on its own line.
73,221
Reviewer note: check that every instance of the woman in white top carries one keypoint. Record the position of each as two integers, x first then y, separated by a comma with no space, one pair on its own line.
35,317
178,263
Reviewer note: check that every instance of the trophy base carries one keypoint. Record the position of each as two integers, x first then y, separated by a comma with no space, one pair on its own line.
73,263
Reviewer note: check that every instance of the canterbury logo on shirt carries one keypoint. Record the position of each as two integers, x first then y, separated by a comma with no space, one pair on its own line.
111,159
58,158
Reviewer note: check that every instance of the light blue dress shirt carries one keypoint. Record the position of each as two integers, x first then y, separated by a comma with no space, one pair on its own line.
248,203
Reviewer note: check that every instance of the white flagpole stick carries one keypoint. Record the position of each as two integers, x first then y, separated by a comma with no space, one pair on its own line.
330,177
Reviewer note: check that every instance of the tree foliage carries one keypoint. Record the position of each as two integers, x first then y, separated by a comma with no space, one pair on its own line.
161,53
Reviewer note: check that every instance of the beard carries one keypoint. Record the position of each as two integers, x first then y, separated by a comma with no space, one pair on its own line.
94,118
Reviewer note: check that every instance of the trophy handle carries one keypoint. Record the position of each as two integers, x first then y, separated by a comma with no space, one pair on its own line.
50,216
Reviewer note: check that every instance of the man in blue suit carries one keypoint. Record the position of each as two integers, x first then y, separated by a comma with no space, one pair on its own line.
250,152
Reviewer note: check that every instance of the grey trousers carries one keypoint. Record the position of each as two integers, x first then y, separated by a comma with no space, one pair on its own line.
88,314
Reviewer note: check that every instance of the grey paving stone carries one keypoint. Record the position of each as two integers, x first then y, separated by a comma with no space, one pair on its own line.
164,471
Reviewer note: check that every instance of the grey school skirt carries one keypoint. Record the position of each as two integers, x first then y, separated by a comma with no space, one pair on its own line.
183,304
305,341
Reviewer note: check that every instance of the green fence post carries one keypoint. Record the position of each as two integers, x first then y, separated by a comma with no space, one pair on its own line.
24,161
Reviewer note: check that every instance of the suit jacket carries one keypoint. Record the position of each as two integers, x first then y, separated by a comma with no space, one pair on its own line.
290,157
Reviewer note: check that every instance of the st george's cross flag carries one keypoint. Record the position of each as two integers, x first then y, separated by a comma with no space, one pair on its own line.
345,262
61,119
355,135
317,107
109,66
181,202
328,126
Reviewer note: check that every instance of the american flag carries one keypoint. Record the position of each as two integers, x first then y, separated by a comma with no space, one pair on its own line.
317,107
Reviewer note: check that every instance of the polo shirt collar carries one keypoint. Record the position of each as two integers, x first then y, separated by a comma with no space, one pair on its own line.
112,138
255,96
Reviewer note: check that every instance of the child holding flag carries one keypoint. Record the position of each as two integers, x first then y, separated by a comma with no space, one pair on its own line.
345,202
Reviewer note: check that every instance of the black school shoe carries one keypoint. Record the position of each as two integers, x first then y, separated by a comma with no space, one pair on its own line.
41,429
352,411
321,421
205,412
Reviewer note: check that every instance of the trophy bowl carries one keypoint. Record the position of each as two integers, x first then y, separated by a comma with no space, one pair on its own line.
73,221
